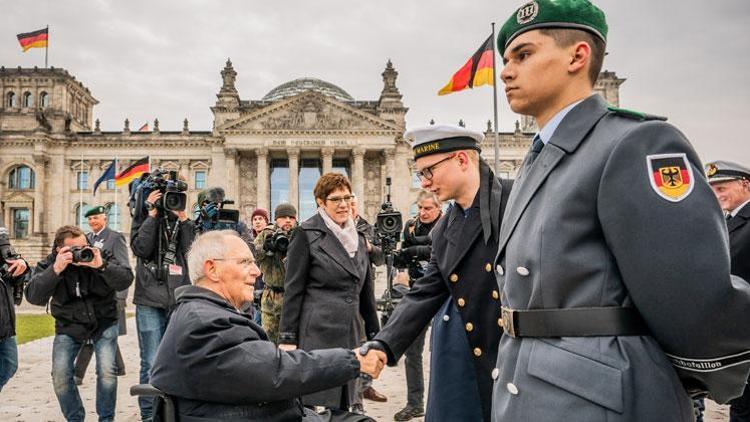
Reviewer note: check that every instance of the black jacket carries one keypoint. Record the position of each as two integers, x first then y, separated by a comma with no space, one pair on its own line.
144,241
83,299
219,364
324,293
7,307
416,247
739,242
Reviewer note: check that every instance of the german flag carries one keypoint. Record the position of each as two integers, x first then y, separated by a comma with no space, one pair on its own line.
36,39
477,71
133,172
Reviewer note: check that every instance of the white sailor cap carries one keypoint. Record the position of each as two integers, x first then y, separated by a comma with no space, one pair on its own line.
722,171
434,139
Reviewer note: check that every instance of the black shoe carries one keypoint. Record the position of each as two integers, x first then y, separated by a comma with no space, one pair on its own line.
407,413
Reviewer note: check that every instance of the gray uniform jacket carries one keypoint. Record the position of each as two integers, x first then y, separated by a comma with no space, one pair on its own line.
324,291
114,242
585,227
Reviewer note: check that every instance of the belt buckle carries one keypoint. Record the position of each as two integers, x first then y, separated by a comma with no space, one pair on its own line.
508,319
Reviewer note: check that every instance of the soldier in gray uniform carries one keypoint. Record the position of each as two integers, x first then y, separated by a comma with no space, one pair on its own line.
104,238
613,259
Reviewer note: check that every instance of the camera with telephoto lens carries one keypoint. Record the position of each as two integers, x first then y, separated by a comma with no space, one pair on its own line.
82,253
277,242
7,253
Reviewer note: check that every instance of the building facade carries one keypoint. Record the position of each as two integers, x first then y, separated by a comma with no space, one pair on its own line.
262,152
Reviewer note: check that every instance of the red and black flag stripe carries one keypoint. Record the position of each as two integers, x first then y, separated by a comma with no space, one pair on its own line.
477,71
36,39
134,171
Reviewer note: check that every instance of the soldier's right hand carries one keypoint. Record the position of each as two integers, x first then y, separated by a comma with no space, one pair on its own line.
64,257
371,361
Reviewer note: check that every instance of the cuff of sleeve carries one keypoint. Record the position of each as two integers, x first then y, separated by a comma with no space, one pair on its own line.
287,338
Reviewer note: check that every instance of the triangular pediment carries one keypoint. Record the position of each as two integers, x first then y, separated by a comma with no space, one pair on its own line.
309,111
18,197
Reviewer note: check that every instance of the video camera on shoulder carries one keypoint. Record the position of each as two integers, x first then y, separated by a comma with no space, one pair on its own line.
172,189
7,253
212,214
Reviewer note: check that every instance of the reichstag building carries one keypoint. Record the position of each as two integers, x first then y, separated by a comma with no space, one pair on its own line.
262,152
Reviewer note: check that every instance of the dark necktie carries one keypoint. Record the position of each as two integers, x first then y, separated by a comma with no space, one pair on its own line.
729,217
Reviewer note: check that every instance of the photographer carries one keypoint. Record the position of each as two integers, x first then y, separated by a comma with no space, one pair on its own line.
14,271
414,256
164,236
271,244
81,281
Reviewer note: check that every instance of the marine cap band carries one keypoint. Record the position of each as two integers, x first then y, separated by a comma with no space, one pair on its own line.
445,145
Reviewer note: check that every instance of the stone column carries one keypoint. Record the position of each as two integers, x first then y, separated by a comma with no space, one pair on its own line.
184,170
358,173
40,171
232,180
293,154
262,182
327,154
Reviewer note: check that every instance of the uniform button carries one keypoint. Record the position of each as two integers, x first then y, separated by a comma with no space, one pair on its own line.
477,352
469,327
454,278
488,267
512,389
499,269
461,302
523,271
348,300
495,295
495,373
446,318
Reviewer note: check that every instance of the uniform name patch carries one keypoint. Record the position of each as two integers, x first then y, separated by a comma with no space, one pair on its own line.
671,176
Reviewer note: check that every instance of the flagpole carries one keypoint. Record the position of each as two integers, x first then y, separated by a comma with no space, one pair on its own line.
46,48
494,101
80,194
117,205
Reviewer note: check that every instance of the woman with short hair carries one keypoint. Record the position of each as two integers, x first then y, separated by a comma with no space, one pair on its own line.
327,284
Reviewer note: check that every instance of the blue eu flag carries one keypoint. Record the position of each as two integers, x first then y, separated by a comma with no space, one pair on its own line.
107,175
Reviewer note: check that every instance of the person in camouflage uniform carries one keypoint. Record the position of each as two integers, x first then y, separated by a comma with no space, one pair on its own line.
271,262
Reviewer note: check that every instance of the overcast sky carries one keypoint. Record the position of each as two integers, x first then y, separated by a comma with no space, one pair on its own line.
685,59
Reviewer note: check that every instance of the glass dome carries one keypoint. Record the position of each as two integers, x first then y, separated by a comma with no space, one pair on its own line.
297,86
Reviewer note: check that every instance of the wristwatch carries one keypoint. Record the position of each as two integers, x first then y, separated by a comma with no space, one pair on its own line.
149,206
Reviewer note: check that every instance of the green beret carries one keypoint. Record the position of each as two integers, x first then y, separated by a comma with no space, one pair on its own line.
537,14
99,209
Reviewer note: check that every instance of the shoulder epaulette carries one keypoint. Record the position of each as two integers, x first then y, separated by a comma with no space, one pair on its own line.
635,115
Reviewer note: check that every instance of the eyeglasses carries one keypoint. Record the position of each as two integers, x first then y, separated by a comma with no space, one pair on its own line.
426,173
337,199
245,262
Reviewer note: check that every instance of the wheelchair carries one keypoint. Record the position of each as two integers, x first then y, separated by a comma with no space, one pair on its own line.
164,408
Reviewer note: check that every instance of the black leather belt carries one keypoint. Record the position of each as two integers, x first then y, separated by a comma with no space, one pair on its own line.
573,322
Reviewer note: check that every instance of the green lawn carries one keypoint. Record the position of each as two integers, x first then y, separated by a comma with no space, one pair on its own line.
32,327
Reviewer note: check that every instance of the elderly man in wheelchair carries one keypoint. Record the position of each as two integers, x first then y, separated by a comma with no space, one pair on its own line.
215,363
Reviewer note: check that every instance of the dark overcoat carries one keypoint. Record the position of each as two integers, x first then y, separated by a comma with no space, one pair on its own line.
739,248
219,365
460,279
324,291
615,212
114,242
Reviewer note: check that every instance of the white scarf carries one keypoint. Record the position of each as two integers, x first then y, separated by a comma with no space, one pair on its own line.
347,235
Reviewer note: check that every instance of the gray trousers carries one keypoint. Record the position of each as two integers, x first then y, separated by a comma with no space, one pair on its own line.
414,372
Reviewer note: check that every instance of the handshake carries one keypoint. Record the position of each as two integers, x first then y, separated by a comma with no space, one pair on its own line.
372,358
